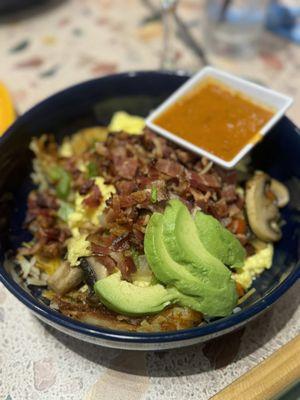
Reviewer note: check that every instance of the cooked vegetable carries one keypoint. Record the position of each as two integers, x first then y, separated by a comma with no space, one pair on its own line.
62,181
92,169
154,194
65,210
281,193
262,211
93,270
65,278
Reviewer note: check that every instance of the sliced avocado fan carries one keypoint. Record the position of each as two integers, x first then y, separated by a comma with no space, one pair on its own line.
178,258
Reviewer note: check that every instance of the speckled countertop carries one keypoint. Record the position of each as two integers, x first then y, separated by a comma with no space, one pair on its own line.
56,46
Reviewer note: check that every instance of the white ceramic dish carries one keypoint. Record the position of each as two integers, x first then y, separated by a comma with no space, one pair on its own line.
264,96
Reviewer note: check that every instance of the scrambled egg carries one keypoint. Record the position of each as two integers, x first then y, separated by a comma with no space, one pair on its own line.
77,245
254,266
82,214
121,121
82,140
47,265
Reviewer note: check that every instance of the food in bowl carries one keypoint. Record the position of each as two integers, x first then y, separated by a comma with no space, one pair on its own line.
133,233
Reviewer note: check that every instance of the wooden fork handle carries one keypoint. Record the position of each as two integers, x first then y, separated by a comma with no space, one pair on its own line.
268,378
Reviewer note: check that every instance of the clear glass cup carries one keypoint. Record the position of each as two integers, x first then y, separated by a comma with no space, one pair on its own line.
232,28
168,55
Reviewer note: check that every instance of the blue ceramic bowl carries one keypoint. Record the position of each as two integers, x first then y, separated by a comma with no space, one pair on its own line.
94,102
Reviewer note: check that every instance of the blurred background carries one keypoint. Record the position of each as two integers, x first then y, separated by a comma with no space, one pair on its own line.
46,45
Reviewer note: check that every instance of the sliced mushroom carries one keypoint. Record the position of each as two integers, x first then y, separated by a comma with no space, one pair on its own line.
281,193
262,212
93,270
65,278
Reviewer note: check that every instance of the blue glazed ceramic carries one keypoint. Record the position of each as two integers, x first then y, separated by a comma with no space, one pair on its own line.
13,6
94,102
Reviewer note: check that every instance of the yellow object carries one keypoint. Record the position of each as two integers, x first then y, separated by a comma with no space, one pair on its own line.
7,112
82,140
83,214
121,121
49,266
254,266
268,379
78,246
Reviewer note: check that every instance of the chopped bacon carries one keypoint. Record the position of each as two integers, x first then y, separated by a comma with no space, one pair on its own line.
170,168
127,168
228,192
94,199
86,187
233,209
52,250
203,182
121,242
146,171
99,250
227,176
108,262
219,209
126,187
139,197
185,156
49,234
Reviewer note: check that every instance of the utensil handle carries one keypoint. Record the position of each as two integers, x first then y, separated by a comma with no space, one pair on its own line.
269,378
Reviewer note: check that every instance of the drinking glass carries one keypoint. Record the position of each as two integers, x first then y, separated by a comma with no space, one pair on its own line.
232,28
168,56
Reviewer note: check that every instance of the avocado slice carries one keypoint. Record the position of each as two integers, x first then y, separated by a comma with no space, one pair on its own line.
219,241
210,285
126,298
129,299
183,244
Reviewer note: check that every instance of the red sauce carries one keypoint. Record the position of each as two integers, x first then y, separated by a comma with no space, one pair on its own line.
216,118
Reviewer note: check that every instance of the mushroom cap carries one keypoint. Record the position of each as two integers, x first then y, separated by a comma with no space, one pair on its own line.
281,192
263,214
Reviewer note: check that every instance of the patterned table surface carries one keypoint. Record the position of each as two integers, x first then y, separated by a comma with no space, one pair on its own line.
66,42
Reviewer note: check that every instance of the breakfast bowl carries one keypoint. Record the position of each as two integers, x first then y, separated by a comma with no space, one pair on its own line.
94,103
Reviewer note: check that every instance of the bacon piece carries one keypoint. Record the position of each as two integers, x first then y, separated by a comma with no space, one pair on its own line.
185,156
99,250
233,209
126,187
94,199
203,182
86,187
227,176
127,267
170,168
52,250
127,169
219,209
108,262
121,242
228,192
139,197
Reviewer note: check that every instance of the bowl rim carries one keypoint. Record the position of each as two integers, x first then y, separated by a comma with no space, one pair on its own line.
45,312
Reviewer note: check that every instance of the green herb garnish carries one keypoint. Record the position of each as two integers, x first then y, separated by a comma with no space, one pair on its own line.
62,179
64,211
92,169
154,194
